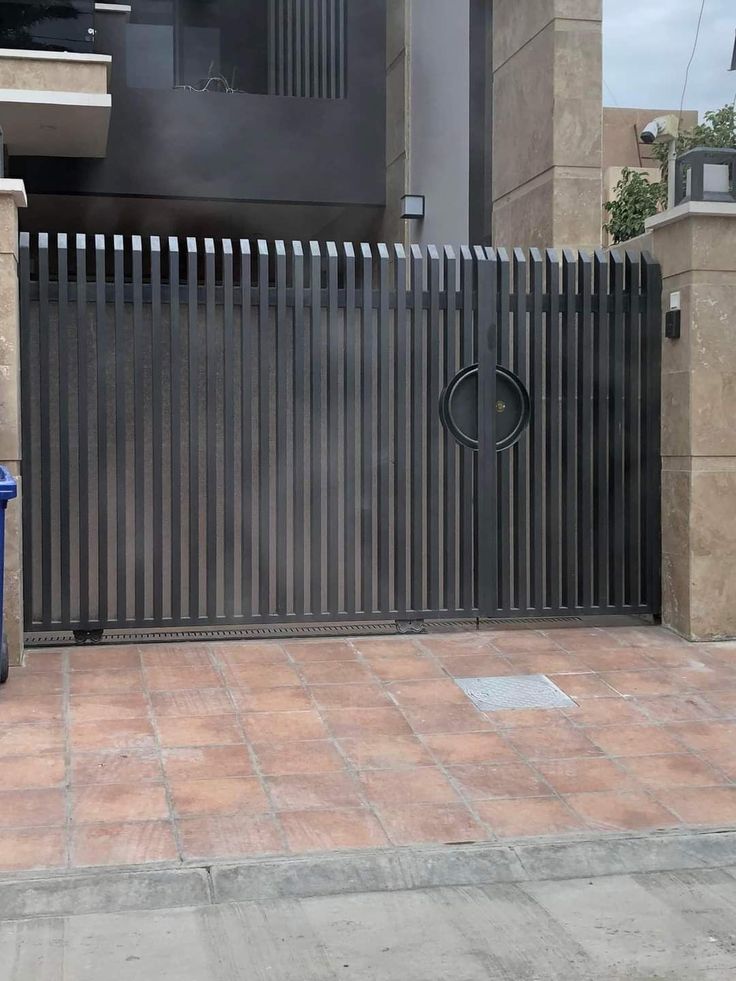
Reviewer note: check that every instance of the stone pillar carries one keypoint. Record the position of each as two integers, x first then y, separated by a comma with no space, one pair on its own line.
696,246
547,123
12,197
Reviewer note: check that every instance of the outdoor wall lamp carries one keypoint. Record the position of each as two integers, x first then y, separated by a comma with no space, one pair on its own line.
412,206
705,174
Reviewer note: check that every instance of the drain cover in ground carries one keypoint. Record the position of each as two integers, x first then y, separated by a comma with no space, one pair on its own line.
528,691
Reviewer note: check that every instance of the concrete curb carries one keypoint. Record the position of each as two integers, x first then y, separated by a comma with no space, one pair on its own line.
343,873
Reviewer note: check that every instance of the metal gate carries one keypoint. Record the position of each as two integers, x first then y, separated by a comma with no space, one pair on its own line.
219,434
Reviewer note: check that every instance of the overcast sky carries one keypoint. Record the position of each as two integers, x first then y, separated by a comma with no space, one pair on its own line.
647,44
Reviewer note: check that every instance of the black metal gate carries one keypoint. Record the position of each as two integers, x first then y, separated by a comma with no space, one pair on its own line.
217,435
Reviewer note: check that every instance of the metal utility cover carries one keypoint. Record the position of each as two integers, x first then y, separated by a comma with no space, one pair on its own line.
527,691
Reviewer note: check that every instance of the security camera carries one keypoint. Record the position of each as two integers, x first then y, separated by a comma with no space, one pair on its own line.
663,129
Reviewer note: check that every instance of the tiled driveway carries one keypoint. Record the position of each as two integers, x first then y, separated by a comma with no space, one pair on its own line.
130,755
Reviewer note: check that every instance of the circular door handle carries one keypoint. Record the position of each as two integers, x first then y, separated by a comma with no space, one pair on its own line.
459,407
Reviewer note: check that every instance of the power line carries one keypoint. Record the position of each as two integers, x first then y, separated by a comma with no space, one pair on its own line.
610,92
692,57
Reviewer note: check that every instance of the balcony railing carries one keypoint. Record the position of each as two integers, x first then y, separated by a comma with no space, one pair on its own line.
47,25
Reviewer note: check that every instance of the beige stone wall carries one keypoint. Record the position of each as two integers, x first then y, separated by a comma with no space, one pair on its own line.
63,73
698,256
10,443
547,123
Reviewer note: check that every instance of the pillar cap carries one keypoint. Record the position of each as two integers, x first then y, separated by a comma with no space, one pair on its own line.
691,209
15,189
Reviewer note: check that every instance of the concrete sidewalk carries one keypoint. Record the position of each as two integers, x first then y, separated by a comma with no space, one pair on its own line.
675,926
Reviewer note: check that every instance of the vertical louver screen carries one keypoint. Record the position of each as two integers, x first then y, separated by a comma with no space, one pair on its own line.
307,48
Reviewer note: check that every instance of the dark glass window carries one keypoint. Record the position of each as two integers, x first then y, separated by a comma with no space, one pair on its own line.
280,47
59,25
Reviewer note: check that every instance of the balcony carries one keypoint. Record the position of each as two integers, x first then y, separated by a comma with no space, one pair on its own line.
54,90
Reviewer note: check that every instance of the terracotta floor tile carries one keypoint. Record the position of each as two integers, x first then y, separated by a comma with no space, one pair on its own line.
423,785
276,727
634,740
715,806
673,771
186,655
44,662
582,685
137,843
551,742
648,637
385,752
681,708
470,747
585,639
199,730
122,766
27,772
447,718
723,703
386,646
450,645
105,658
207,701
258,676
179,678
524,642
111,734
525,718
486,782
621,811
248,652
90,708
706,737
271,700
31,808
99,803
335,673
105,682
22,684
323,830
703,678
345,723
439,692
641,682
555,662
477,666
23,709
207,762
222,796
605,711
236,836
532,816
404,668
25,850
280,759
301,792
321,650
408,824
619,659
676,656
584,776
350,696
26,740
503,719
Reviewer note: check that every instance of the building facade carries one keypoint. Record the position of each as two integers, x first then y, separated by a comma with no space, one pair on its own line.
307,119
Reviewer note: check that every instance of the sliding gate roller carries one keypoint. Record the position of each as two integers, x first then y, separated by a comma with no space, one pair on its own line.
459,408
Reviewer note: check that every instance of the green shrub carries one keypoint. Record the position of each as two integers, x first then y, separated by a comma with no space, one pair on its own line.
635,200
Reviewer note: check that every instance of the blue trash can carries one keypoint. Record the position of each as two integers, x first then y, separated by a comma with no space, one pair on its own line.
8,490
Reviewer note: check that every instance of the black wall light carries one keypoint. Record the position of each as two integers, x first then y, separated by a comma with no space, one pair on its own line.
412,206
